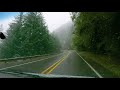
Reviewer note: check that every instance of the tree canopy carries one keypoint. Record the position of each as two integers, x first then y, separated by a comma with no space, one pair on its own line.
28,35
97,31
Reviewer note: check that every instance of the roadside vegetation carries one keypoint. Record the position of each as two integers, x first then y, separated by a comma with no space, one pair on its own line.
107,66
28,35
96,37
97,32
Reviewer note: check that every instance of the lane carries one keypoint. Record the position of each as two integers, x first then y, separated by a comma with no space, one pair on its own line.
22,61
66,63
96,72
54,65
36,66
74,65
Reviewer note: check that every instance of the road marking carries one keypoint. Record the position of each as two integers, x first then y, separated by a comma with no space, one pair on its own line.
53,66
90,66
58,64
28,62
50,67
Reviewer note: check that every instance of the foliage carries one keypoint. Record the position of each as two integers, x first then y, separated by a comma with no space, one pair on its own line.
28,35
97,31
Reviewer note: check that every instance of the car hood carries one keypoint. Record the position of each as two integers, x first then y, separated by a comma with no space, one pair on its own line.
36,75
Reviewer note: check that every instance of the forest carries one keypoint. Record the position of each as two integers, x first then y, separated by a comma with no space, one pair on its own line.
77,44
28,35
97,32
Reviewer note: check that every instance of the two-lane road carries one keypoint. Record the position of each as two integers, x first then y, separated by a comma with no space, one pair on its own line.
66,63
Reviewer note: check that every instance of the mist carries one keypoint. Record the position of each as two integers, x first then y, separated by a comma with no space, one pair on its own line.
64,35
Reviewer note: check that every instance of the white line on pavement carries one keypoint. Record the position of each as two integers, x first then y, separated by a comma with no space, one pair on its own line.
90,66
28,62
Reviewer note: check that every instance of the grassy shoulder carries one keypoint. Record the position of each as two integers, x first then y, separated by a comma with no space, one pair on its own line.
107,66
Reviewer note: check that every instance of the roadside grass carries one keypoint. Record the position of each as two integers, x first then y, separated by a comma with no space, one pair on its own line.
107,66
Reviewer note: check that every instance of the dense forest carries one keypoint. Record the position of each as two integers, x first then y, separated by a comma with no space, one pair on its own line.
97,32
90,31
28,35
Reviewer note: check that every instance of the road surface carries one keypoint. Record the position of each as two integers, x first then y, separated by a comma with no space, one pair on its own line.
66,63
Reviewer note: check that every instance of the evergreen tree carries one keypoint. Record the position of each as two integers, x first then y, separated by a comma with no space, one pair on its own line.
28,35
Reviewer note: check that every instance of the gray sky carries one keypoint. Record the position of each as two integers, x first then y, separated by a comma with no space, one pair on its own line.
56,19
53,19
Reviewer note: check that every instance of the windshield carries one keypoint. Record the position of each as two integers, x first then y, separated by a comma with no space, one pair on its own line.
60,44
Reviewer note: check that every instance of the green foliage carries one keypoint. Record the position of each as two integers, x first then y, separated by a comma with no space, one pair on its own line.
28,36
97,31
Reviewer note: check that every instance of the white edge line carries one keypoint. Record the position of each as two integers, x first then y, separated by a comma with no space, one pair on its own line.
28,62
90,66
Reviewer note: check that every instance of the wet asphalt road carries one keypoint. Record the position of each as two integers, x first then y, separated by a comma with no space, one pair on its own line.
66,63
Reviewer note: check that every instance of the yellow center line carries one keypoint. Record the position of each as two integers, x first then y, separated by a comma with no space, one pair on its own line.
57,64
49,67
53,66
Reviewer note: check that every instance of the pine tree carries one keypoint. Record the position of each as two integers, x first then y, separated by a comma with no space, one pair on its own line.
28,35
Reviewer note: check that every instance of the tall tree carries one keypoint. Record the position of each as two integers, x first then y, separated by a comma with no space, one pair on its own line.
28,35
97,31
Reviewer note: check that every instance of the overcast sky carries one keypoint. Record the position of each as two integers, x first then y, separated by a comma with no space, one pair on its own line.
52,19
56,19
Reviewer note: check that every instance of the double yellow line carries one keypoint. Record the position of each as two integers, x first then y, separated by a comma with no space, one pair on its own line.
53,66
